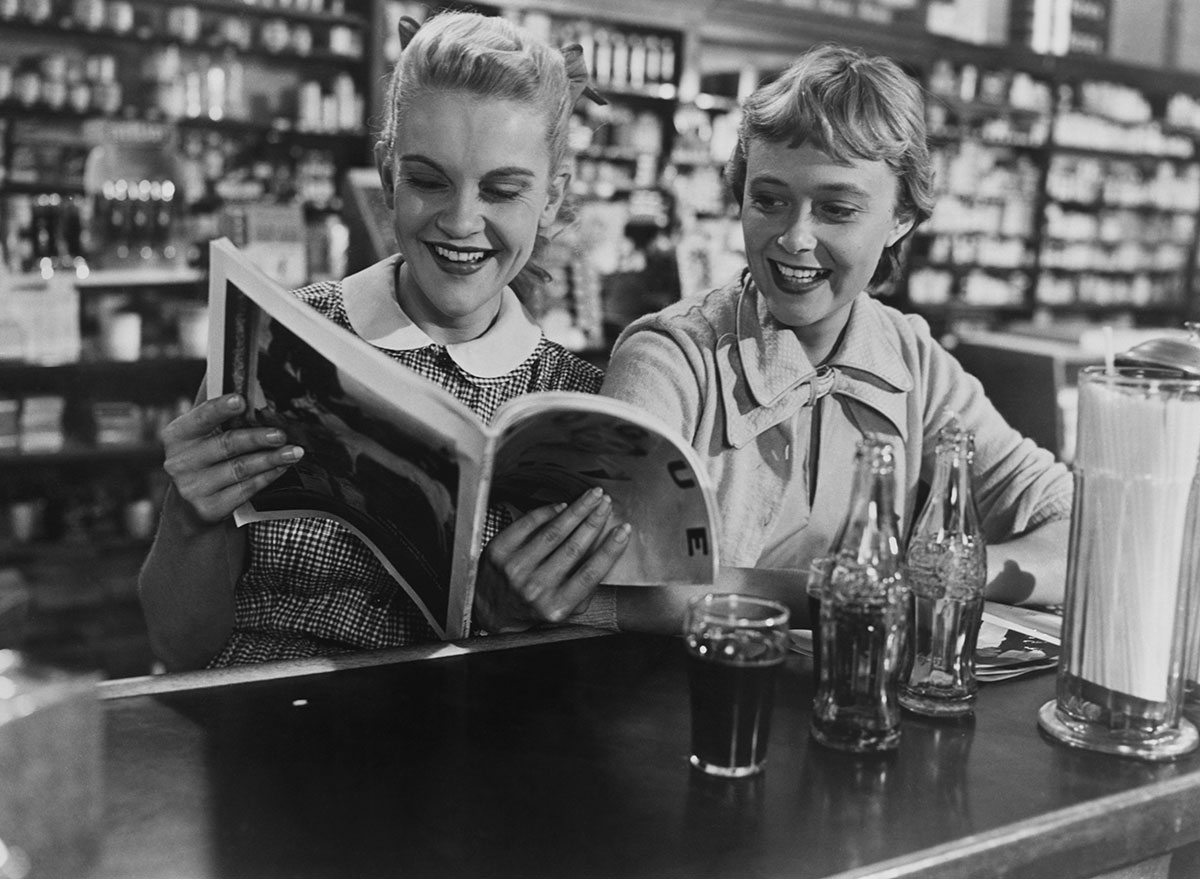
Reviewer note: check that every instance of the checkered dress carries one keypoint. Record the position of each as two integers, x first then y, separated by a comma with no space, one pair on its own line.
313,588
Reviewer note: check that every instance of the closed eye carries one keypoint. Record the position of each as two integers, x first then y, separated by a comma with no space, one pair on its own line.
765,201
503,193
837,212
423,182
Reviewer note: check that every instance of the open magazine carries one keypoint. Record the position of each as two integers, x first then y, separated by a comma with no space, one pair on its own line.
413,472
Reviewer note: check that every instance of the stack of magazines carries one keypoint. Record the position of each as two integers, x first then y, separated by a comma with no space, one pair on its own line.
1015,641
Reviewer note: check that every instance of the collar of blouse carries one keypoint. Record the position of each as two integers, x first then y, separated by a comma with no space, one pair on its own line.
375,314
766,376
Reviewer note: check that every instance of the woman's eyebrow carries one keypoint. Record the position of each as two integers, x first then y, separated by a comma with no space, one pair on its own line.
417,157
510,171
506,171
826,188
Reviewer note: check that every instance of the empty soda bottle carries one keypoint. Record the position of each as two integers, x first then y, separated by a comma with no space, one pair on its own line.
862,616
945,567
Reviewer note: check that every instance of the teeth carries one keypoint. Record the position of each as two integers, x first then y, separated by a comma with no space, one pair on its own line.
459,255
800,275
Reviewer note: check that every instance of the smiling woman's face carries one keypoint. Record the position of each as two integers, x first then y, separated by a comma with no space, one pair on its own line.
814,230
470,185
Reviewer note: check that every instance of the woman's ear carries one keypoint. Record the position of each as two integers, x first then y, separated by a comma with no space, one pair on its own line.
558,192
900,228
383,162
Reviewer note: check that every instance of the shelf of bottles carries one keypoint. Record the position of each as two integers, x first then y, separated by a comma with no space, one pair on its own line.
709,250
1076,197
1122,195
240,101
987,131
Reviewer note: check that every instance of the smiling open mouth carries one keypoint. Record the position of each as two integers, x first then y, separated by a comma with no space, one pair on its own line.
791,276
459,255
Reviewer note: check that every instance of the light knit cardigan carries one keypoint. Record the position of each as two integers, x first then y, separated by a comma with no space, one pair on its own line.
723,373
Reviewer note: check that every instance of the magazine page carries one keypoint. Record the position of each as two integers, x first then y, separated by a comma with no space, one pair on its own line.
553,446
1016,640
1040,623
388,454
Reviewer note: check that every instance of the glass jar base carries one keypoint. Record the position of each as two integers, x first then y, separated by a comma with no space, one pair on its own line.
725,771
934,706
1168,745
859,742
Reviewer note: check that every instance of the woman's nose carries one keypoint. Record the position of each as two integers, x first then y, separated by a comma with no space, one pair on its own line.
799,235
460,217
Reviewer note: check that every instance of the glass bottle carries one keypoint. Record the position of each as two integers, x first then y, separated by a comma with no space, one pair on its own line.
945,567
862,616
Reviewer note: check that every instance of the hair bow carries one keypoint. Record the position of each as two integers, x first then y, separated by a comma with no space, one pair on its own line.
577,75
408,28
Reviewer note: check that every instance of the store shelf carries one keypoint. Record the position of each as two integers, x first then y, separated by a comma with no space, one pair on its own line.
151,374
97,279
107,39
1068,149
289,13
76,454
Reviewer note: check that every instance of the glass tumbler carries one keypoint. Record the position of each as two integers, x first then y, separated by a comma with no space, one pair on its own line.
1120,686
735,645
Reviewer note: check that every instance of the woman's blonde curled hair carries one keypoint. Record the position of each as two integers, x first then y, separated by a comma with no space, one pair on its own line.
484,57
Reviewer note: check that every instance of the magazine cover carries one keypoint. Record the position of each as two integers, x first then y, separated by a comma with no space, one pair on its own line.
392,478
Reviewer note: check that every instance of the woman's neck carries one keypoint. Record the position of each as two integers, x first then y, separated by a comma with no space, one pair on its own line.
821,339
444,329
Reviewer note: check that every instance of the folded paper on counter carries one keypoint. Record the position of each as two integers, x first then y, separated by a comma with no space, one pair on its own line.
1012,641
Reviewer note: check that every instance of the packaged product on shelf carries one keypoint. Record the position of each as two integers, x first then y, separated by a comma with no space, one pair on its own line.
41,423
117,423
10,425
41,317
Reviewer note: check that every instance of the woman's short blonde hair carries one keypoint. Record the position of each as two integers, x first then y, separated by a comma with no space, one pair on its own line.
849,105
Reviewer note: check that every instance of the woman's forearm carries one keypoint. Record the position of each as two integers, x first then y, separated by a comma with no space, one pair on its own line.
187,583
661,608
1032,568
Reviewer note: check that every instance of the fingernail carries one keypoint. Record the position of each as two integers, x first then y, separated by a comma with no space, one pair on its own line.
233,401
276,436
294,453
594,493
559,507
621,534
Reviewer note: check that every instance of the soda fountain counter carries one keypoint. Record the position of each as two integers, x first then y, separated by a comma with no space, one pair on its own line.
565,753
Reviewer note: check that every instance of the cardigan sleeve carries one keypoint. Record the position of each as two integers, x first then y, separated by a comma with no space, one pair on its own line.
1018,485
659,372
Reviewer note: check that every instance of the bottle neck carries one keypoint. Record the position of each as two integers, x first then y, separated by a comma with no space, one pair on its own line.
950,508
870,534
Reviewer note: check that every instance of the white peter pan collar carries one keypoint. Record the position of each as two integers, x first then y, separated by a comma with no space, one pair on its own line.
375,314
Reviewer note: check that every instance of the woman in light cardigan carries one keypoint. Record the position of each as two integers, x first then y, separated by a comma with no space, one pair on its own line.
774,377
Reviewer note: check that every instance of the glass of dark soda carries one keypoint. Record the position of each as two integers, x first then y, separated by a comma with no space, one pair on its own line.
736,645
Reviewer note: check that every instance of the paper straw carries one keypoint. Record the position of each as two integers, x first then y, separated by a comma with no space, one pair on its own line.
1110,356
1138,456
